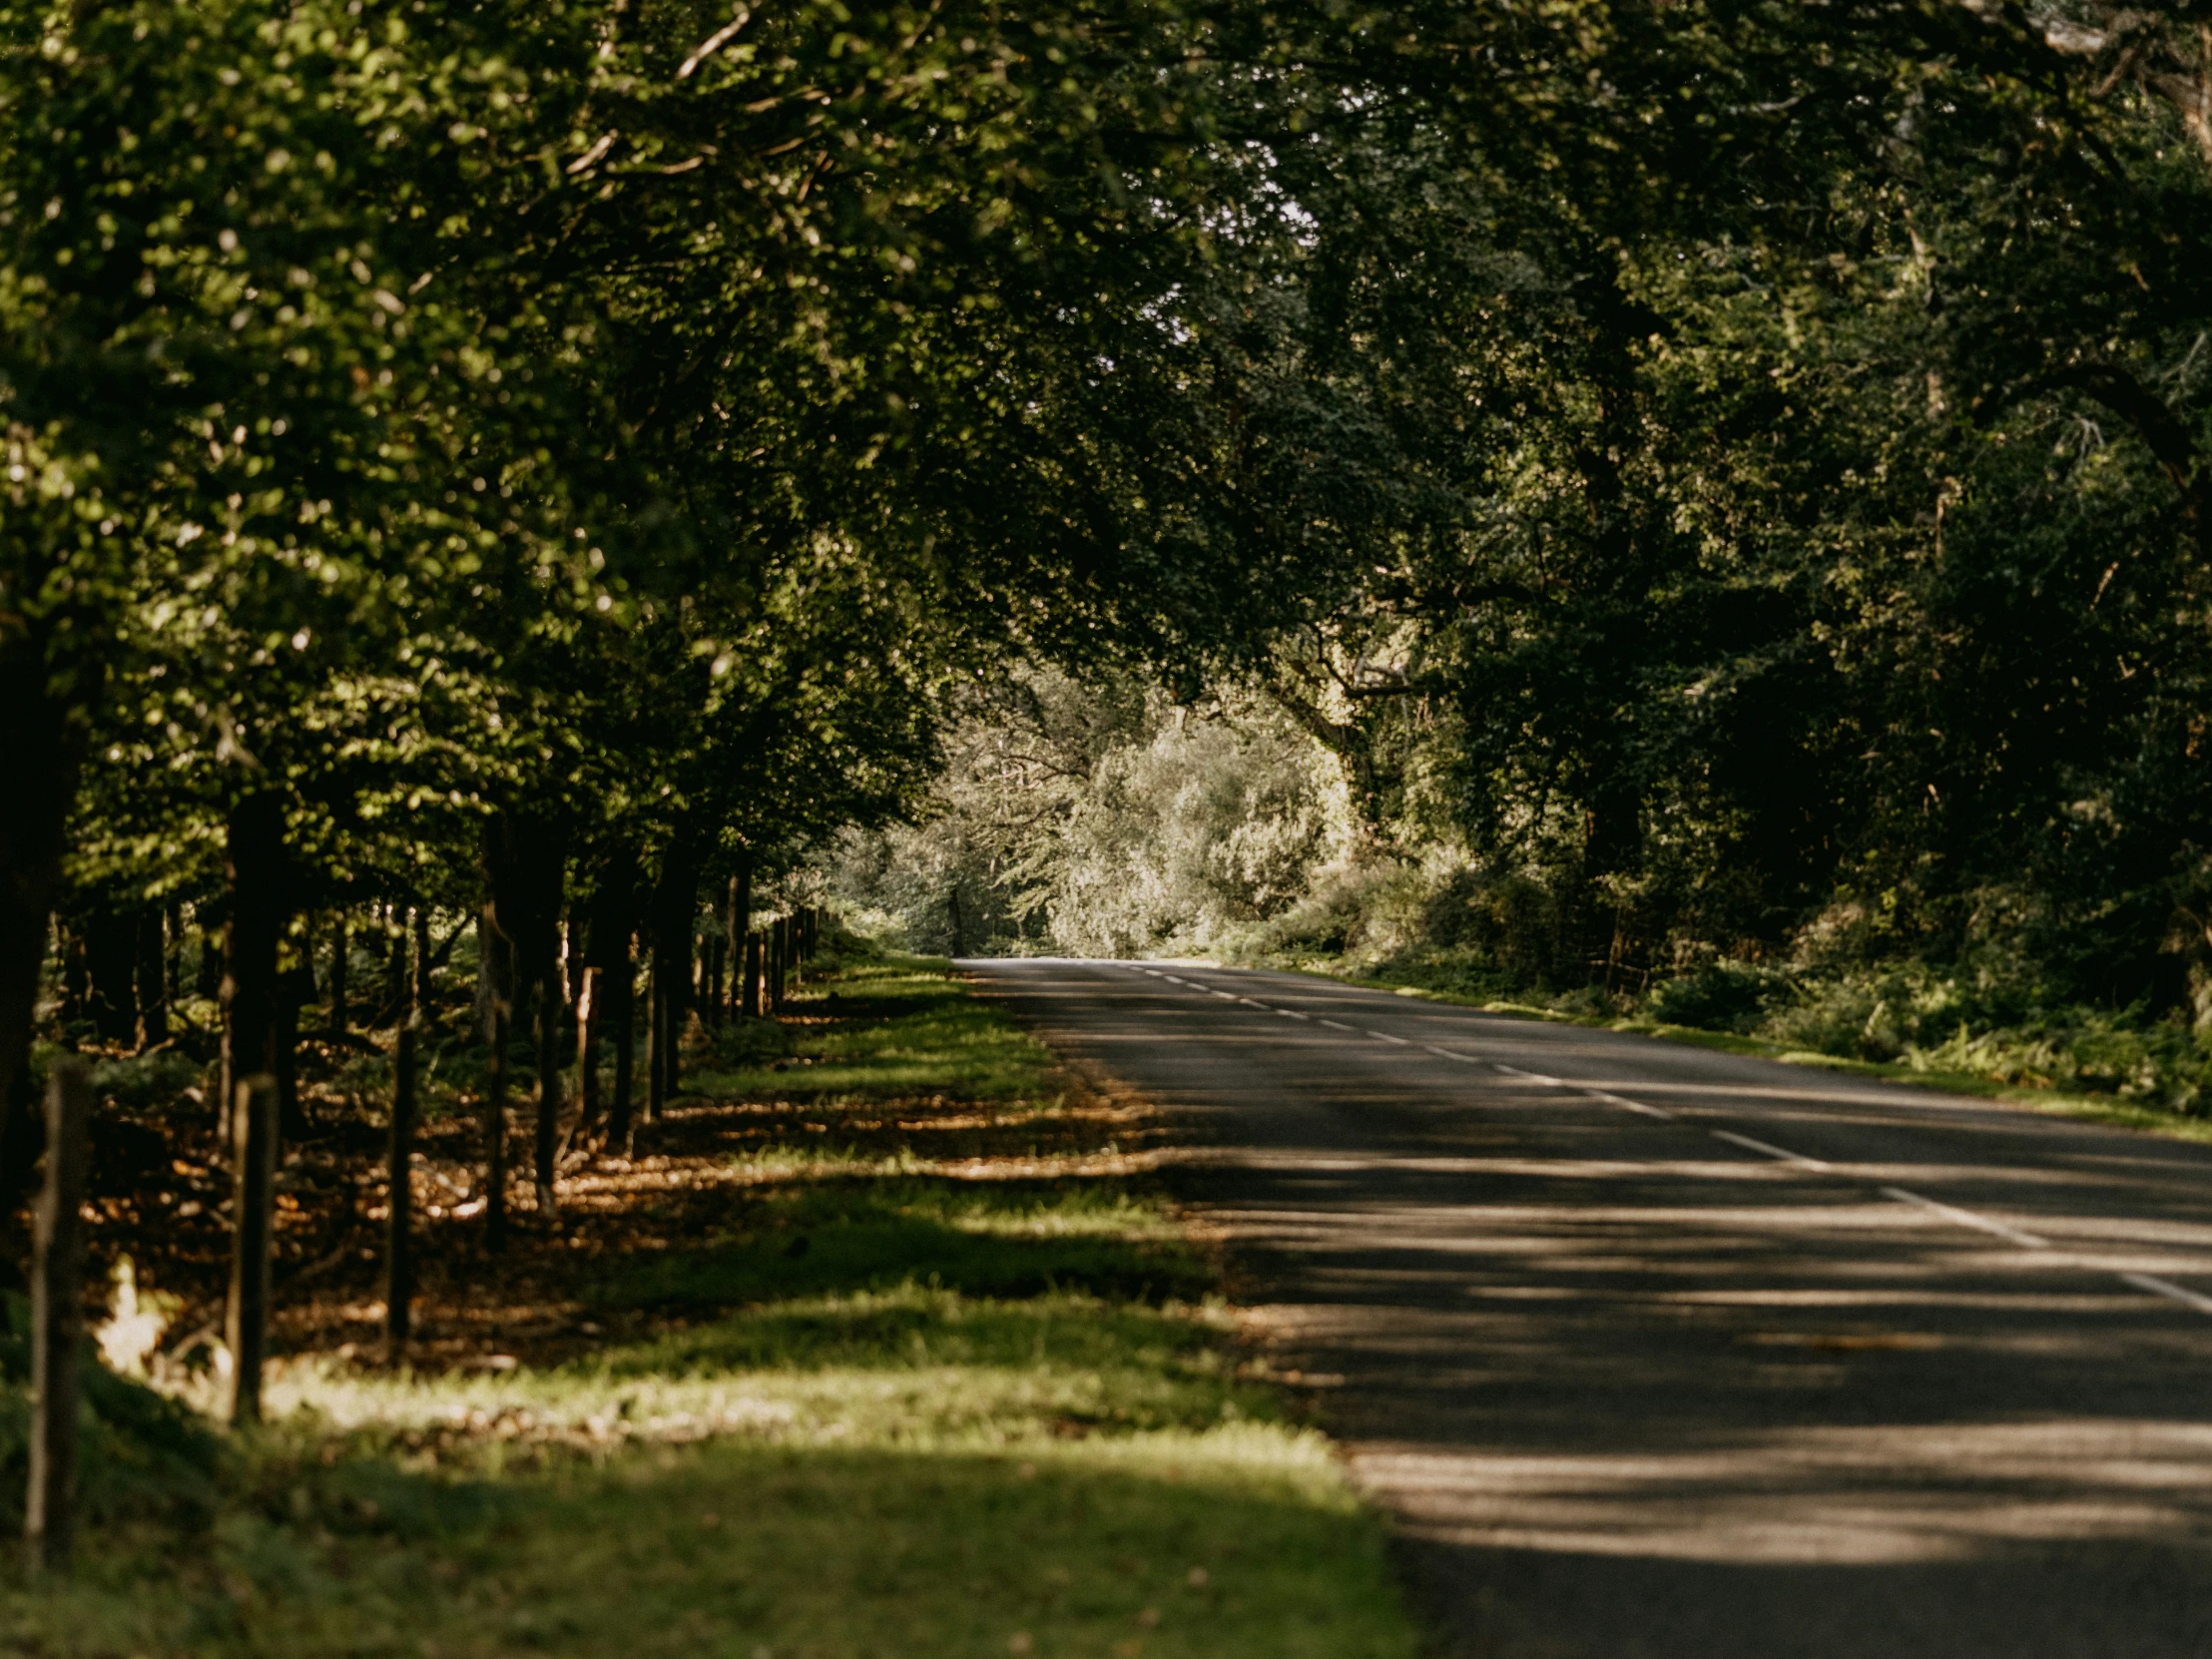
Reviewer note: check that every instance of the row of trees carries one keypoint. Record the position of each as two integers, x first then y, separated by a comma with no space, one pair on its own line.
545,464
1741,461
1746,468
1796,450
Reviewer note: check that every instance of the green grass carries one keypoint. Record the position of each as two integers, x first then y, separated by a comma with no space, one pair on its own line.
877,1233
906,1028
867,1412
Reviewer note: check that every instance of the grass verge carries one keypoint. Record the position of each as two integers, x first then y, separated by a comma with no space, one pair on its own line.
2087,1108
884,1344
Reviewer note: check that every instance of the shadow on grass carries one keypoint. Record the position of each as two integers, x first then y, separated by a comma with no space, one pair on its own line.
1004,1241
1186,1550
882,1032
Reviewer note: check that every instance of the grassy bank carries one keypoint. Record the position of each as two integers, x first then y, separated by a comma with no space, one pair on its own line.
2136,1076
883,1343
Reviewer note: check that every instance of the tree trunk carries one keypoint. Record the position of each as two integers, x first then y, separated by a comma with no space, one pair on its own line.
253,859
622,1013
246,1314
749,1001
607,953
285,1047
399,1170
341,950
740,928
656,1039
587,1049
110,970
207,976
545,1150
674,910
494,1009
495,1133
153,977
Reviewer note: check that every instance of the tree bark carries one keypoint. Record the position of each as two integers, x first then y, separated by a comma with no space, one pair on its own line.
111,971
58,1320
495,1133
254,859
656,1039
253,1165
399,1168
544,1149
611,920
153,976
494,1009
341,950
622,1014
717,953
675,909
739,928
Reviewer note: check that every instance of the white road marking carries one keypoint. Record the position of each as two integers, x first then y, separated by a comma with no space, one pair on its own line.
1527,1076
1767,1149
1966,1218
2174,1292
1631,1105
1948,1212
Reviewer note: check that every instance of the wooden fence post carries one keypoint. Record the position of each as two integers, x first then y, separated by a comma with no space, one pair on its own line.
254,1161
57,1319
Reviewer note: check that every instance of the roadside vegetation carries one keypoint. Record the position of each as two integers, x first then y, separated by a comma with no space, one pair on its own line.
881,1342
1110,821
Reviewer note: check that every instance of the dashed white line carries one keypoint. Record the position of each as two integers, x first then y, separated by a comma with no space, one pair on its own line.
1767,1149
2173,1292
1626,1104
1527,1076
1948,1212
1966,1218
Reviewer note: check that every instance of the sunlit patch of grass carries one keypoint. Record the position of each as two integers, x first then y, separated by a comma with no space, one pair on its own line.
899,1030
869,1404
984,1238
912,1473
913,1368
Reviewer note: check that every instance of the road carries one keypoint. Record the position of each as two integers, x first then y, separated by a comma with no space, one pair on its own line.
1653,1350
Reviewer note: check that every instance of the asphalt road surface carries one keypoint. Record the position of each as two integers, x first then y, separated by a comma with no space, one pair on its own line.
1658,1352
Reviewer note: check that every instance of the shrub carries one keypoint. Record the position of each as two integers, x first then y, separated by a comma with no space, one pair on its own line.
1725,996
